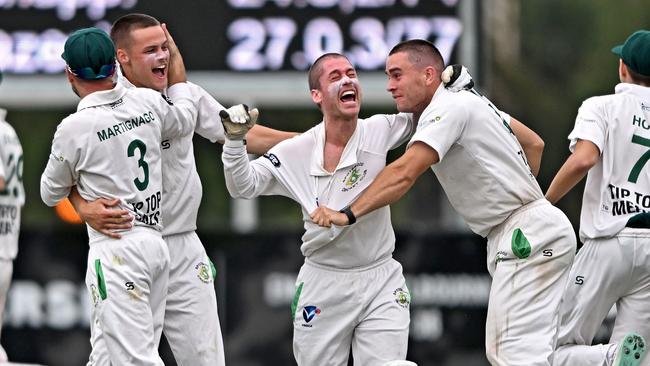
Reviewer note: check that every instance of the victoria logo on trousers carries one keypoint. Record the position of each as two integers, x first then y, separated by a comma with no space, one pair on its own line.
309,312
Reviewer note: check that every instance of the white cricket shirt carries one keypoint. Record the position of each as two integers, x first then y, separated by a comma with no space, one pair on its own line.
294,168
482,167
110,148
12,198
618,186
182,189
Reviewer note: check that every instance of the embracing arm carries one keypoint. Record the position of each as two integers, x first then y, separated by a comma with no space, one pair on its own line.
532,144
101,214
2,184
389,186
260,139
585,155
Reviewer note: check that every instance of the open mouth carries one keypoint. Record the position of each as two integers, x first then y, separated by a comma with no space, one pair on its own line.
349,96
160,71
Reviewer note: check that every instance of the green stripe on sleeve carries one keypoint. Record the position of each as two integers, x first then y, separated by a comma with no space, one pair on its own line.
213,269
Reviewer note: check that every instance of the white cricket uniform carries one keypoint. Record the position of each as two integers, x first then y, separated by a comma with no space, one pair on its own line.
613,266
12,199
110,148
350,292
191,325
484,172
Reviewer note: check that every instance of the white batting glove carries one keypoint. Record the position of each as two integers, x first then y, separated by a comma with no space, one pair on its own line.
237,120
457,78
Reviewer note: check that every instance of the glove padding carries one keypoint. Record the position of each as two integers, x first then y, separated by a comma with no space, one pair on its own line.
237,120
456,78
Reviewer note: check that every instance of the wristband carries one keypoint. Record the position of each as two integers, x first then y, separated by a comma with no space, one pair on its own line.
348,212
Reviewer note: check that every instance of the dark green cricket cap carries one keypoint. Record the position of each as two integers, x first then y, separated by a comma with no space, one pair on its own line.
635,52
90,54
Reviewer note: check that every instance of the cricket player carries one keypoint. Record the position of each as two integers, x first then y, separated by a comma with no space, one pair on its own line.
111,147
144,51
12,199
486,162
609,144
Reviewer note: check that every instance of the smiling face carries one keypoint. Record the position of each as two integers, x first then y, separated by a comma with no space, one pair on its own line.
338,92
144,58
409,84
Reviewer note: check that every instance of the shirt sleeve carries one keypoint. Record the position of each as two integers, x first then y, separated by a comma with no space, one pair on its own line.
590,125
60,173
246,179
441,127
208,123
401,128
179,116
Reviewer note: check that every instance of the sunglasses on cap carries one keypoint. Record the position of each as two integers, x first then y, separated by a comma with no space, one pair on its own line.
88,73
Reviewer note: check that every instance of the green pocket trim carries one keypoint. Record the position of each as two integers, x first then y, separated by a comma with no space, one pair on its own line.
213,269
520,244
101,284
294,303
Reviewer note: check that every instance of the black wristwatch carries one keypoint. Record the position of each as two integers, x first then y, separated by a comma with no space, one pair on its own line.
348,212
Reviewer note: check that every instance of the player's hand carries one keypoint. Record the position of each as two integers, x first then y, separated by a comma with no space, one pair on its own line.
237,120
176,72
456,78
102,216
327,217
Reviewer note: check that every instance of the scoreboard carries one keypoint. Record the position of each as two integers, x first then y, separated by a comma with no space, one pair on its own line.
234,35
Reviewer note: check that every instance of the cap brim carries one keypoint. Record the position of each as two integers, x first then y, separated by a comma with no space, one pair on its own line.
618,50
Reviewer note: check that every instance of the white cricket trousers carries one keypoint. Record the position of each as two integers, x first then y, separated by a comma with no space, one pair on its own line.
363,308
127,281
6,270
191,319
529,257
607,271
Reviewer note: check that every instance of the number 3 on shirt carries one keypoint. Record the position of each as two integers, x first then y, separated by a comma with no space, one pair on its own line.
636,169
139,145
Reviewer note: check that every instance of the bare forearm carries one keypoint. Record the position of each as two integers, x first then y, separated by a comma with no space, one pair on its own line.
260,139
2,184
534,157
76,199
389,186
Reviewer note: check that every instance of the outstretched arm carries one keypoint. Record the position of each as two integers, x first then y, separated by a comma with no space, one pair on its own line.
2,184
389,186
532,144
260,139
101,214
585,155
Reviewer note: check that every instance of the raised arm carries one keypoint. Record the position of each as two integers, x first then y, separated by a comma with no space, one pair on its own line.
585,155
532,144
389,186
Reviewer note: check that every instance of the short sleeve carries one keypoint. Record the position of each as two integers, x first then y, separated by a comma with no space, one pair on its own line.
590,125
441,127
208,123
61,173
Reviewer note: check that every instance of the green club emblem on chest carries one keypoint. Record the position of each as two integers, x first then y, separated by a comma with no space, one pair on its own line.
353,177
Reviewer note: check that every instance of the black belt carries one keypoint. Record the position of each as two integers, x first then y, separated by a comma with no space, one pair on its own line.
639,221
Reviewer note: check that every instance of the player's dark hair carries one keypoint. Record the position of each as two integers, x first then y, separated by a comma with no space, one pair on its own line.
122,27
638,78
422,53
317,67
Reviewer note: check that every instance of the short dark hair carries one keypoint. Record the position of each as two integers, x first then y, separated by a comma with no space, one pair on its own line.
638,78
121,29
317,67
421,53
